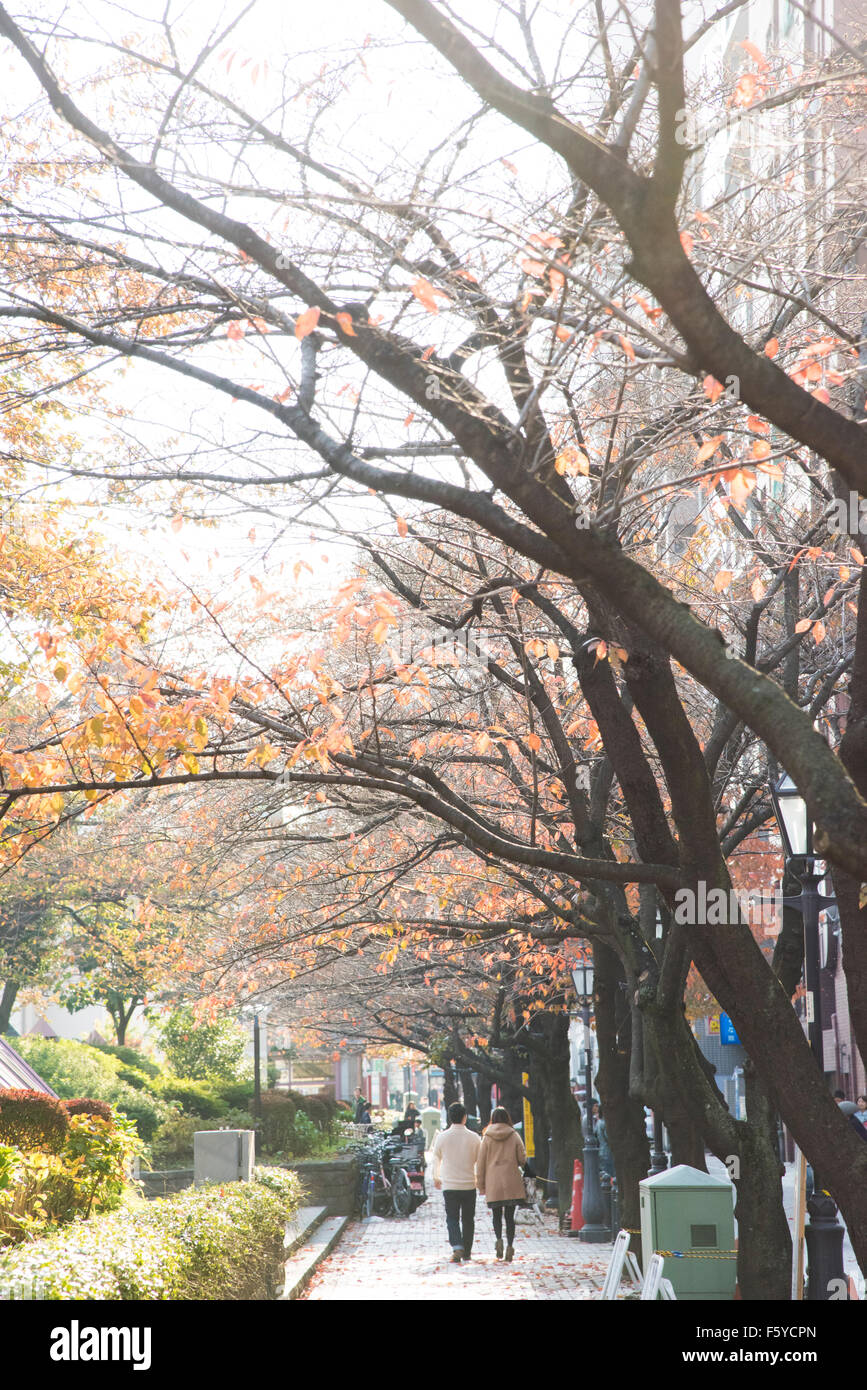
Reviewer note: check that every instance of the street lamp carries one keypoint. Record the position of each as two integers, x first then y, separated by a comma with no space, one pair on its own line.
593,1231
824,1234
257,1011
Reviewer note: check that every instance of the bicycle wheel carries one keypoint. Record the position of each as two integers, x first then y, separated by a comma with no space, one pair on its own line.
401,1193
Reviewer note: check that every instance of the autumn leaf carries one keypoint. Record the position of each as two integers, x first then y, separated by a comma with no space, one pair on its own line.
803,625
344,322
687,241
757,589
712,388
306,322
572,462
819,632
424,292
42,692
741,486
402,527
707,449
534,743
601,651
235,330
722,579
772,347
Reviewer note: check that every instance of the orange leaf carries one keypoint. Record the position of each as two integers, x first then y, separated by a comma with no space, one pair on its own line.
772,347
722,579
708,448
761,448
601,651
235,330
819,632
402,527
712,388
627,347
306,322
757,589
42,692
534,742
344,322
803,625
424,293
759,426
742,485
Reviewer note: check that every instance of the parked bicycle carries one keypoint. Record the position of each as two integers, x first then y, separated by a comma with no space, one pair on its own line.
391,1177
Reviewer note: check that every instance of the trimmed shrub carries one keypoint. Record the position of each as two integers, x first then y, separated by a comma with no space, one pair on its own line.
78,1069
130,1057
70,1068
32,1120
85,1105
205,1243
194,1097
238,1095
146,1111
278,1114
139,1080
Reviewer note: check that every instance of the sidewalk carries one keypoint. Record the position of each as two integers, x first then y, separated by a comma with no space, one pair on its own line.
386,1258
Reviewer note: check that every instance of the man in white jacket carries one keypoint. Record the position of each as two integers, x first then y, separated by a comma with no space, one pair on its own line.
454,1170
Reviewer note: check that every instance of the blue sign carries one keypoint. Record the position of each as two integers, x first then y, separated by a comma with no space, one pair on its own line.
727,1034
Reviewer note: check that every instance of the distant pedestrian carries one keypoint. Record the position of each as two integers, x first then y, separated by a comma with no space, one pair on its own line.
860,1130
455,1152
606,1157
861,1111
411,1113
360,1103
362,1115
498,1176
848,1107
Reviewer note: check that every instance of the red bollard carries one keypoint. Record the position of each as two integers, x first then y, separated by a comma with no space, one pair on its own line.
577,1220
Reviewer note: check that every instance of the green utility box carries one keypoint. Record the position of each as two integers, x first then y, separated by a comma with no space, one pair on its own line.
691,1212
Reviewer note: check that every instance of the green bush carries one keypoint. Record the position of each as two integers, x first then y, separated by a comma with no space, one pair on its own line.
130,1057
194,1097
238,1095
278,1114
41,1190
145,1110
70,1068
139,1080
211,1243
199,1050
76,1069
32,1120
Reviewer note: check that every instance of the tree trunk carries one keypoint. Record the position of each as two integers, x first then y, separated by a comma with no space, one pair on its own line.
484,1092
624,1114
450,1085
765,1257
7,1002
468,1086
552,1070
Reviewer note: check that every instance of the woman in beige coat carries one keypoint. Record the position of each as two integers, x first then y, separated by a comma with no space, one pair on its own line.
498,1176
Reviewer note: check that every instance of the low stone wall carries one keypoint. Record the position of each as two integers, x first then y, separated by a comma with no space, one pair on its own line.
163,1183
329,1182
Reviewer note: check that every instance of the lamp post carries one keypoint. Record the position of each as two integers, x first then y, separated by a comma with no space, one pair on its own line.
257,1011
823,1234
593,1232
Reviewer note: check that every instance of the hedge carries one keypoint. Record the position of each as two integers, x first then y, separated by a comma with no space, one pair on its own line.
215,1242
32,1120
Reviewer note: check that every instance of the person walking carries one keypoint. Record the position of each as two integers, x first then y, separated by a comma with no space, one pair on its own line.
454,1157
498,1176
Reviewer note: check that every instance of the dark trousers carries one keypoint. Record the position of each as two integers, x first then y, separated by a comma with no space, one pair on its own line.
460,1218
498,1210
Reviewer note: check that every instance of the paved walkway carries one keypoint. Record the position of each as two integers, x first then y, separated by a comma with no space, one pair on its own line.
386,1258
